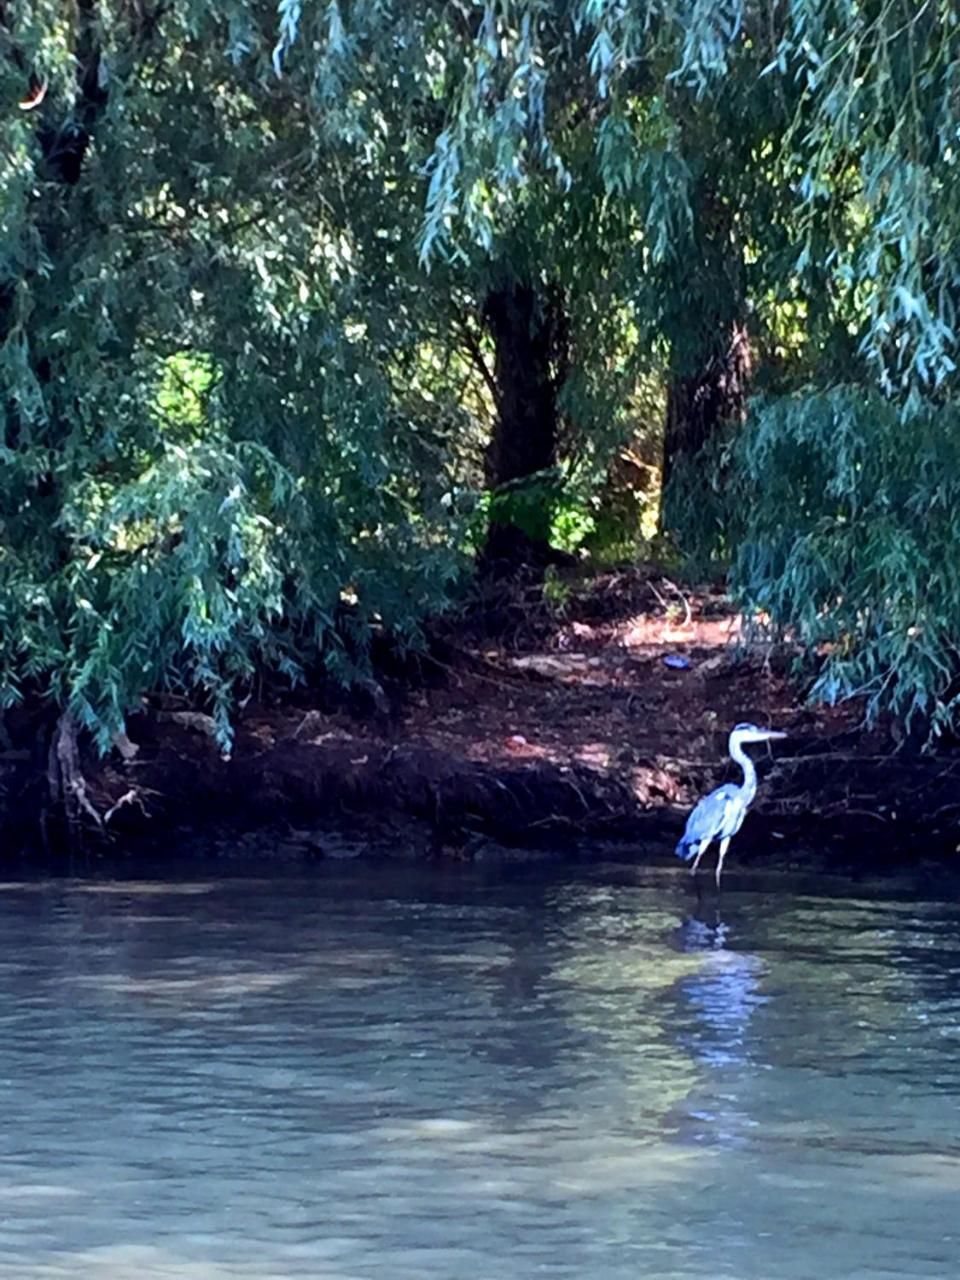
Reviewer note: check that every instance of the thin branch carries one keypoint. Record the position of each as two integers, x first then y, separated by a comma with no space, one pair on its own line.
479,360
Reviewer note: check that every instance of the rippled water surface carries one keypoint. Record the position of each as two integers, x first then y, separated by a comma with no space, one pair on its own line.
423,1074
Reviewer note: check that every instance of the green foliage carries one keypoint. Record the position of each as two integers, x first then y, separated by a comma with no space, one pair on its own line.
183,394
791,164
178,579
572,524
840,518
548,507
556,591
244,255
700,510
815,139
529,504
224,446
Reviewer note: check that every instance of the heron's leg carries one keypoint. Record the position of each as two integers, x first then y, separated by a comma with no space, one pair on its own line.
724,846
700,852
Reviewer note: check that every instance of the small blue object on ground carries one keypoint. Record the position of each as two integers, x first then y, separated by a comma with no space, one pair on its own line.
677,662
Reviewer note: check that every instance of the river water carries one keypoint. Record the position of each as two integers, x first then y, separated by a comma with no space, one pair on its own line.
426,1074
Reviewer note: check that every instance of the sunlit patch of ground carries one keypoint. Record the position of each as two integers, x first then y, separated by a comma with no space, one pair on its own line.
649,697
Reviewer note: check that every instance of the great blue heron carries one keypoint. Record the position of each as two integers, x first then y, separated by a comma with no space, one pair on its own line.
720,815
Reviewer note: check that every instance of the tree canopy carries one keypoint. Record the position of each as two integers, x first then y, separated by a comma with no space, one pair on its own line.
284,290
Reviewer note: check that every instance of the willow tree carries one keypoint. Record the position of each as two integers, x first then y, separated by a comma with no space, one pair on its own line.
790,169
541,262
263,270
750,141
216,458
610,97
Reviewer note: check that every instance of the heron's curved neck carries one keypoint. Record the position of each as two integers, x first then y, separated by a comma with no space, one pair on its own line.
738,754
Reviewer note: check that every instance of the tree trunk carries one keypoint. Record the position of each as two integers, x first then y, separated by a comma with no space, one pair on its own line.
710,360
530,343
701,401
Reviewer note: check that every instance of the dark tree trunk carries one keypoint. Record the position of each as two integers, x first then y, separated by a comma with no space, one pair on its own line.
530,343
710,362
701,401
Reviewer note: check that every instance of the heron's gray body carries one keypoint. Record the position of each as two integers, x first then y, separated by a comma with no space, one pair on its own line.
717,816
720,815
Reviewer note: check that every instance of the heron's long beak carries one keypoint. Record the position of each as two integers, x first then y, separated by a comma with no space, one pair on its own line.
770,735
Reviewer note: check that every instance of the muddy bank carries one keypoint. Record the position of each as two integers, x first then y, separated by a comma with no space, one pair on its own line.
603,723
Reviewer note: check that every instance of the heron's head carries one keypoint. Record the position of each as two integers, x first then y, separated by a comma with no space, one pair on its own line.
744,733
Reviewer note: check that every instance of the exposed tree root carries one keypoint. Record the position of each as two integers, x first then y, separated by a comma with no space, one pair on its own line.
67,787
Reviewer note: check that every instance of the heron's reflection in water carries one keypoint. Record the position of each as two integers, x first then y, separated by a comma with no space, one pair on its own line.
718,1004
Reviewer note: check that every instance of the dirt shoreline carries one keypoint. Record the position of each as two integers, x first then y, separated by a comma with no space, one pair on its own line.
572,733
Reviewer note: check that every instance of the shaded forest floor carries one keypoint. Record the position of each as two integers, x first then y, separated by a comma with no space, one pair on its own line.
533,731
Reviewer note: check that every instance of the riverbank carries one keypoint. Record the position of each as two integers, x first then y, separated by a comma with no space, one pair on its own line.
600,718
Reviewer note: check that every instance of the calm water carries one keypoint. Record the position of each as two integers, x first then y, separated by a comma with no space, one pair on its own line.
430,1075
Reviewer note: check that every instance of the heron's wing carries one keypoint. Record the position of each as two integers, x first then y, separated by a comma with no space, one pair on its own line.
734,813
712,815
